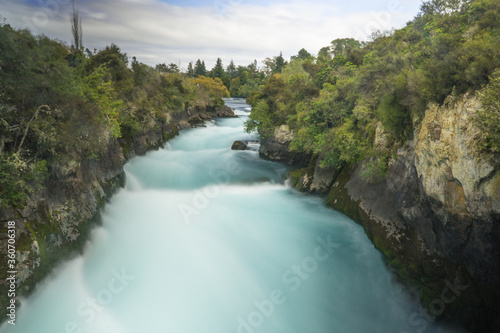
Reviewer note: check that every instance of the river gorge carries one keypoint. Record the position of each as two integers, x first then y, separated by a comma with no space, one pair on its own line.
203,238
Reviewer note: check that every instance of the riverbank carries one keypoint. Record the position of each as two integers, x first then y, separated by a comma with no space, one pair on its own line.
434,213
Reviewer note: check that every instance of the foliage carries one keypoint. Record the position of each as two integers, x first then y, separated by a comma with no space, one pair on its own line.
274,65
302,55
100,92
61,106
333,102
19,179
199,68
218,70
489,116
211,91
260,118
375,170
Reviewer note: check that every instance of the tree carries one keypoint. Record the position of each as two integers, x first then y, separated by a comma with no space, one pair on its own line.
274,65
231,70
199,68
173,68
442,7
235,86
161,68
114,59
279,63
252,68
218,70
210,91
76,27
324,54
303,54
344,46
190,69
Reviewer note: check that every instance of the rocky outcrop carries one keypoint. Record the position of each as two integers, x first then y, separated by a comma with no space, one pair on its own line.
315,178
239,145
198,114
277,148
463,186
56,222
435,214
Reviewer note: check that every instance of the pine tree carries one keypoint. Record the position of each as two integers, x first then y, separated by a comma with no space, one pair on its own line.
199,68
279,63
231,70
190,69
218,70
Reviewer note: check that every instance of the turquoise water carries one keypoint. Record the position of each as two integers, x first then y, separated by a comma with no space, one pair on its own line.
208,240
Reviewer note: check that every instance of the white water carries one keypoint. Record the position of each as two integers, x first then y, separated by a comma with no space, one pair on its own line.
208,240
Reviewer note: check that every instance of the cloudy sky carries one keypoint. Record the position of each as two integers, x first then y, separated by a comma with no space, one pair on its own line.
180,31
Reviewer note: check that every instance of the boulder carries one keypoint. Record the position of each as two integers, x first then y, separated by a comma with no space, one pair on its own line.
239,145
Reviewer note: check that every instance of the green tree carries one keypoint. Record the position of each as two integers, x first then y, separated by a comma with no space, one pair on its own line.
303,55
99,91
442,7
231,70
344,46
190,70
274,65
279,63
199,68
161,68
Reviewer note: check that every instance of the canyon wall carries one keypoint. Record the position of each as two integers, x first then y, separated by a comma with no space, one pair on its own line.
435,213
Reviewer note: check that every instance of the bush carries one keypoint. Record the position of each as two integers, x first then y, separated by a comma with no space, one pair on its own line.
394,117
18,179
375,170
489,116
211,91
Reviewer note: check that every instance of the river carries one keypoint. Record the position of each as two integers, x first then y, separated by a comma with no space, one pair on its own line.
209,240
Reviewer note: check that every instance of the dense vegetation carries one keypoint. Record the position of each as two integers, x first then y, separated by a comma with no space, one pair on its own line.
59,105
335,101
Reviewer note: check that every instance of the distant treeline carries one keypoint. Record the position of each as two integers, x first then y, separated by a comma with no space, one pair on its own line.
241,81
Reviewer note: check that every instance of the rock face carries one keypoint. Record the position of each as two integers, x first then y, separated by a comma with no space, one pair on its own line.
463,186
277,148
435,216
56,221
314,178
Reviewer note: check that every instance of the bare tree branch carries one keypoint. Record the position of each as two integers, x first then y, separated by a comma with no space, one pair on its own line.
76,27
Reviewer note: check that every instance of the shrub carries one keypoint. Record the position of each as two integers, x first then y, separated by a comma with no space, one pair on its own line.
19,179
375,170
489,116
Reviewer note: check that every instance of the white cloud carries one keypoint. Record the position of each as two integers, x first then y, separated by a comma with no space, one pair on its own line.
157,32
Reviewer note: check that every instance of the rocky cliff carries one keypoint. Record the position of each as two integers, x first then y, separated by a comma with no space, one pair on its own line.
435,214
277,148
56,222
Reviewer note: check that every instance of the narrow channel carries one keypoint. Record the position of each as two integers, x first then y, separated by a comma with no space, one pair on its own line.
205,239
